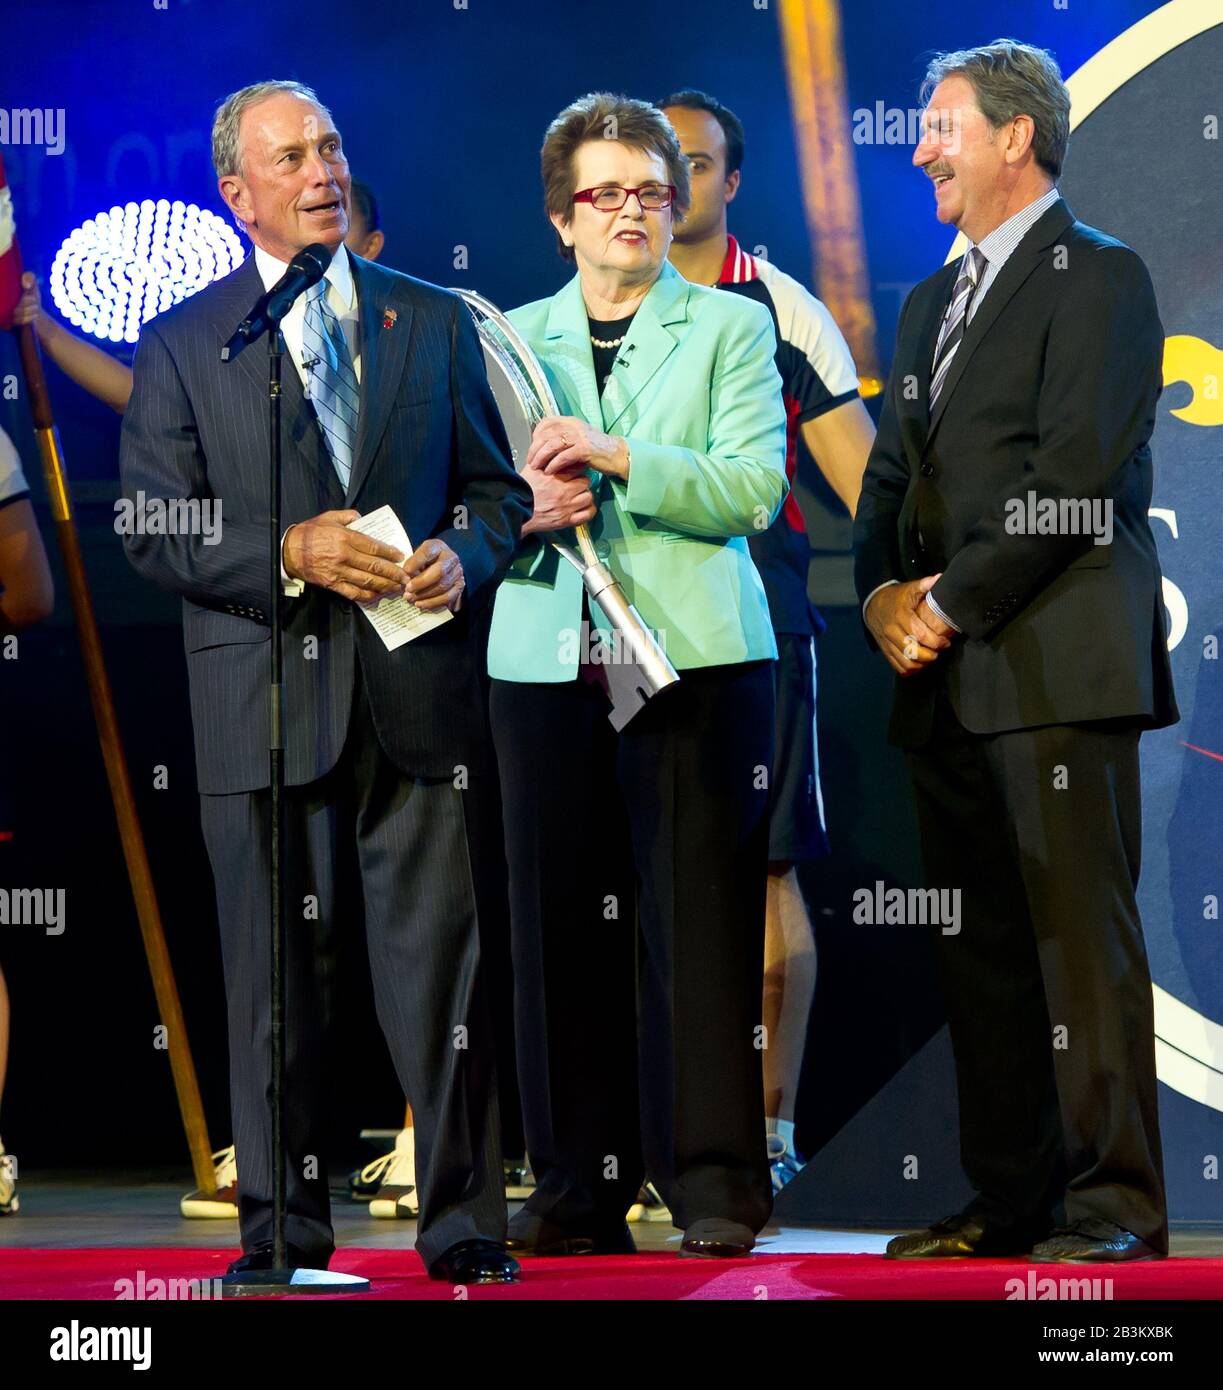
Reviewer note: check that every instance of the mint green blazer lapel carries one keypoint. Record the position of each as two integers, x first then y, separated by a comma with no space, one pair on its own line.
569,355
648,345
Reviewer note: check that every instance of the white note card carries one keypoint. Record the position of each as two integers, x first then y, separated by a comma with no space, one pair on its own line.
396,618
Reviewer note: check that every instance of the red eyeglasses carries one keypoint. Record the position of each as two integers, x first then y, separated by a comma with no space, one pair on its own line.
652,197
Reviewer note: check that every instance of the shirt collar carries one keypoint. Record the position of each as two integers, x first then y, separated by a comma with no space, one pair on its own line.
998,245
738,264
338,276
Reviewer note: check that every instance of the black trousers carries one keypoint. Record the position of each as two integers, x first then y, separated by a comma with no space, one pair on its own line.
1047,984
638,865
364,843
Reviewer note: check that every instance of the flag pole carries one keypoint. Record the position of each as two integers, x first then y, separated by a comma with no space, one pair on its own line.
156,952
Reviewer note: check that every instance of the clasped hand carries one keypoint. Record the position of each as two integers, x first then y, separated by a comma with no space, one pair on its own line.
325,552
908,632
562,448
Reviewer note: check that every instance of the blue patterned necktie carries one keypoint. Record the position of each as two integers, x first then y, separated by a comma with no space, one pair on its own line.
952,333
332,381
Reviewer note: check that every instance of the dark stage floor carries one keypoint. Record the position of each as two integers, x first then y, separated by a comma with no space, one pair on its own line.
73,1210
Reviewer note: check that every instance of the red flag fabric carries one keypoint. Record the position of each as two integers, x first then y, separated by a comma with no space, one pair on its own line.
10,255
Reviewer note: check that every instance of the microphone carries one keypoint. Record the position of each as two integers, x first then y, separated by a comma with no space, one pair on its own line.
305,269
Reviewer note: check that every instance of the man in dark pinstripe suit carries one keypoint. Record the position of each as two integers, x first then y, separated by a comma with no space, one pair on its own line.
385,403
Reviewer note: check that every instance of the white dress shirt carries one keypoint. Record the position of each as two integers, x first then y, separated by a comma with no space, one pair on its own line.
1002,241
342,297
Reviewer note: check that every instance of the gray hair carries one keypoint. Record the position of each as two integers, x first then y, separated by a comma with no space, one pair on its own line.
226,152
1013,79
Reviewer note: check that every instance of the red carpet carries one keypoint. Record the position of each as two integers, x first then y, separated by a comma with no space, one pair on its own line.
95,1274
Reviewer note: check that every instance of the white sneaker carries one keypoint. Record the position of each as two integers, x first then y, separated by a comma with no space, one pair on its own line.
10,1203
784,1163
649,1206
519,1180
223,1204
396,1174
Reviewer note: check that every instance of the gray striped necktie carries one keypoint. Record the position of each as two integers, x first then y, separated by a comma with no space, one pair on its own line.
952,332
332,381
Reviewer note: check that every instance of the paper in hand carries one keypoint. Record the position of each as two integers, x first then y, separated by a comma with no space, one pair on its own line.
396,618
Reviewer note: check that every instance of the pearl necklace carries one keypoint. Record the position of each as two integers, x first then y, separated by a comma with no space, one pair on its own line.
609,343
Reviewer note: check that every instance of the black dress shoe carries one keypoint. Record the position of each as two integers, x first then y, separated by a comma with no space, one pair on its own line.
530,1234
955,1237
1089,1242
475,1262
715,1238
260,1257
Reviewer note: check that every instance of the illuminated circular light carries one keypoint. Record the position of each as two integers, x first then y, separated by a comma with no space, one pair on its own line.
124,266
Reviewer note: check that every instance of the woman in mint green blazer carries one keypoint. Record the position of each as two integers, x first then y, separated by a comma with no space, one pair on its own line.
638,860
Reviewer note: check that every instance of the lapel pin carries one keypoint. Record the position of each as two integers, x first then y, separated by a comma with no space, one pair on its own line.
389,317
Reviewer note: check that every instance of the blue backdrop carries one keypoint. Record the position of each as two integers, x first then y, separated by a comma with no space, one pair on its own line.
442,107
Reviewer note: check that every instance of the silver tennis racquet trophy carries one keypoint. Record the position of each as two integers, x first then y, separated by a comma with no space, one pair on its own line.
638,668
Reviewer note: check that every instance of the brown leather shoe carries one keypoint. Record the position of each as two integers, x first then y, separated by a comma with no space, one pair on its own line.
957,1237
1091,1242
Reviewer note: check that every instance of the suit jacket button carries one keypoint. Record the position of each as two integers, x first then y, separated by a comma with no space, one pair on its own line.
927,470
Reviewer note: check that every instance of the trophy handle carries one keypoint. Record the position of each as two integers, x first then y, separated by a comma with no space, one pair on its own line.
639,669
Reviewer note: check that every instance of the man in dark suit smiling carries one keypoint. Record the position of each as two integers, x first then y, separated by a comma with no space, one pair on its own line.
1030,659
385,403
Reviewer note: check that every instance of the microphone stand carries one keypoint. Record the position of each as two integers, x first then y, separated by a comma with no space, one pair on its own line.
280,1279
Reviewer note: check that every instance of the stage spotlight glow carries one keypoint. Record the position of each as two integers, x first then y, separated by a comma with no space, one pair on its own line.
121,268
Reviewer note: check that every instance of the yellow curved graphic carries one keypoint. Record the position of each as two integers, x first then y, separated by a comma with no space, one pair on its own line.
1200,364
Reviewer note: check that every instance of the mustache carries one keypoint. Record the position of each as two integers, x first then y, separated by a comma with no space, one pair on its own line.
938,170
